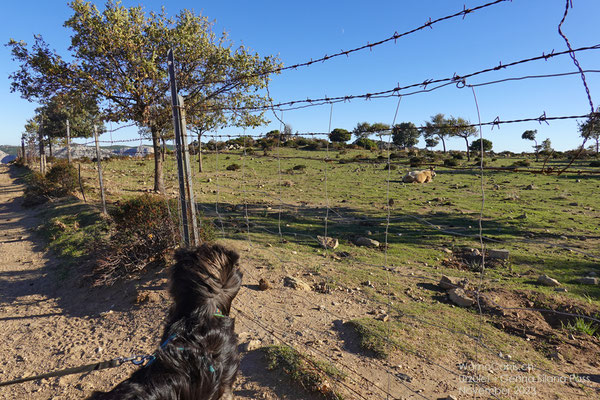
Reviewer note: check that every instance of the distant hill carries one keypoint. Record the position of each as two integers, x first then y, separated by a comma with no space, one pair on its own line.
10,150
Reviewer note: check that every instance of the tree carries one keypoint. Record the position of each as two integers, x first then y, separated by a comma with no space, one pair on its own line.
546,146
431,142
437,128
530,135
364,129
590,129
476,145
405,134
340,135
81,111
460,127
120,57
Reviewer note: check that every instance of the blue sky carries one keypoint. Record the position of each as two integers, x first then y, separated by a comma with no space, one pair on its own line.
299,31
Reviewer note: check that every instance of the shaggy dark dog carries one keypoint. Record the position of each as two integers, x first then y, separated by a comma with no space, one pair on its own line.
198,358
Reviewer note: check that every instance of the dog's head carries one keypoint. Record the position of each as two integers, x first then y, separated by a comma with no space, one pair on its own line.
206,275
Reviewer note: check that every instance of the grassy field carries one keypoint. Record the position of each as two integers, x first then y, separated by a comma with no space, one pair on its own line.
278,203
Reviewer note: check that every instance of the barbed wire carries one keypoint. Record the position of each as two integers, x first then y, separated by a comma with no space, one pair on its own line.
428,24
459,80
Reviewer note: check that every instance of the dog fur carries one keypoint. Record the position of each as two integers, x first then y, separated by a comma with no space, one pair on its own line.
198,358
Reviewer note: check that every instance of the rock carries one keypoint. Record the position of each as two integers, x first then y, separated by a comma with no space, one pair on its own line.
251,345
592,273
498,254
449,397
296,283
147,297
328,242
446,250
449,282
366,242
587,280
531,187
460,297
547,281
560,290
263,284
383,317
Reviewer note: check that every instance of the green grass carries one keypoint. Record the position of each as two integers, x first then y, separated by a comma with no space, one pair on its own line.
313,375
375,336
296,191
582,325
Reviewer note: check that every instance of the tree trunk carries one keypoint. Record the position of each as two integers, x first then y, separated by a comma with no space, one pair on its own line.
199,152
597,143
50,146
443,143
468,152
536,151
159,182
164,148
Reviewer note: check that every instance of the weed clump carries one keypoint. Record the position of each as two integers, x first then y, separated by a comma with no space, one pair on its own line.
374,337
313,375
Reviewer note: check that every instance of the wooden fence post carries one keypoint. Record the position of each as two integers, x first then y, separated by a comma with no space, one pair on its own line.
100,170
186,199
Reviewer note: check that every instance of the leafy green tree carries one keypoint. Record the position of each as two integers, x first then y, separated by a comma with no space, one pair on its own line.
530,135
362,130
120,57
590,129
546,146
431,142
459,127
476,145
339,135
405,134
437,128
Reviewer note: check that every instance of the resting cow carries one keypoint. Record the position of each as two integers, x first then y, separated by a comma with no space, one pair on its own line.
419,176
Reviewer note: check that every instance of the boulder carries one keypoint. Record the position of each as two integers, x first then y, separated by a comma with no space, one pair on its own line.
587,280
328,242
296,283
460,297
547,281
366,242
498,254
449,282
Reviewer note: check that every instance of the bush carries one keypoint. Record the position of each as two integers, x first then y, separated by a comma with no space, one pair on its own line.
366,143
416,161
522,163
60,181
595,163
300,167
391,167
146,230
451,162
457,156
233,167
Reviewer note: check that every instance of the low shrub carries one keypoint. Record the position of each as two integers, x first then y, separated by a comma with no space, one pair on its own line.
595,163
59,181
451,162
146,230
311,374
416,161
233,167
522,163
